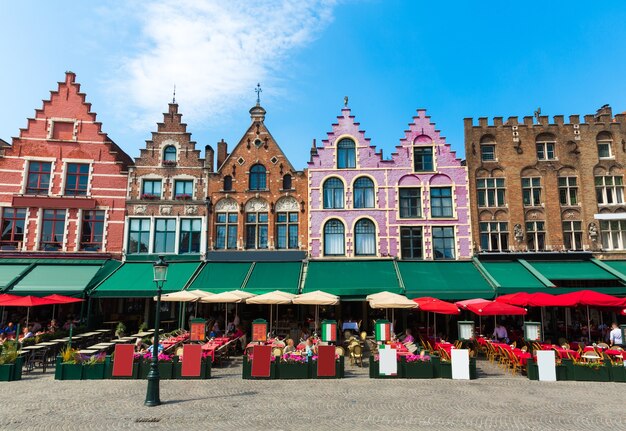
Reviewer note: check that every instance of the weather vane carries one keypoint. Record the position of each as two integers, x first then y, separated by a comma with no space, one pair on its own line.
174,95
345,101
258,92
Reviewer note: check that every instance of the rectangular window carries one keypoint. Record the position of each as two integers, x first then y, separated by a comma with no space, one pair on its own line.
13,221
151,189
545,151
410,202
531,191
568,191
287,230
487,153
609,190
491,192
190,234
138,235
256,230
423,159
573,235
441,202
536,235
411,243
77,179
226,231
604,150
52,230
92,230
63,130
164,235
494,236
38,178
183,189
613,234
443,242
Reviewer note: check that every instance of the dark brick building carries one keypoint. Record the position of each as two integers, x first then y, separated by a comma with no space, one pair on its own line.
542,186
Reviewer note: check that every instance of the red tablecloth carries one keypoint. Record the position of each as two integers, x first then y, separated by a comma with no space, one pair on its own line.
563,353
522,356
445,346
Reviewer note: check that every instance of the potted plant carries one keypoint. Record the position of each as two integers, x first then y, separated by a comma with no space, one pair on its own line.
93,366
165,365
150,197
183,197
591,372
120,330
417,366
68,365
10,363
293,366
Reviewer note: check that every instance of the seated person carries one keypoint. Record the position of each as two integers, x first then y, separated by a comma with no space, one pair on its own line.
3,337
216,329
289,348
150,348
53,326
310,348
36,326
140,346
9,330
408,338
26,333
304,333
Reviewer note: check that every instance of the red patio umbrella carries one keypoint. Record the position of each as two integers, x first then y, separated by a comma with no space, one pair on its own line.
464,304
520,299
62,299
7,297
28,301
437,306
493,308
541,299
590,298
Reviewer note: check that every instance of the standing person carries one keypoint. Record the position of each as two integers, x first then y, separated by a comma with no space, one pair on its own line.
500,334
616,335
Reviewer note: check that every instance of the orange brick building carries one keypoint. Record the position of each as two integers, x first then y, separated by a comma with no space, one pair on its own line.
258,200
63,181
542,186
167,188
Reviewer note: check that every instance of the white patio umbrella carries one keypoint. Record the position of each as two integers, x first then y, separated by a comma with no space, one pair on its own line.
275,297
390,300
230,297
185,296
316,298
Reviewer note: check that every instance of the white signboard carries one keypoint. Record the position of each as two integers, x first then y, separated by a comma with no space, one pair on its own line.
546,363
460,364
388,364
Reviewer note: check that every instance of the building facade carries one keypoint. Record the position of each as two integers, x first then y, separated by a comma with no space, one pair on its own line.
167,189
256,198
542,186
63,181
413,205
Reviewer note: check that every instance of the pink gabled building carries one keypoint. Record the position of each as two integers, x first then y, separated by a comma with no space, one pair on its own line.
411,206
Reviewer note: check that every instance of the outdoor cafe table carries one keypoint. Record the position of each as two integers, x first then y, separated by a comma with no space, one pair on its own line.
610,352
519,353
563,353
445,346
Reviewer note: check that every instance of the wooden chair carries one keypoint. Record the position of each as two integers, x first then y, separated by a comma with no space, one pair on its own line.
339,351
357,354
445,357
603,345
277,352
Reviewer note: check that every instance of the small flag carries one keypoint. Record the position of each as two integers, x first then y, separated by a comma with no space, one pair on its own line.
383,331
329,332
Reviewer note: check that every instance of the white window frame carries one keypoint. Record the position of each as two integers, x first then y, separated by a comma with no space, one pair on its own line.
544,148
535,234
615,191
608,143
531,189
610,236
498,232
568,188
570,231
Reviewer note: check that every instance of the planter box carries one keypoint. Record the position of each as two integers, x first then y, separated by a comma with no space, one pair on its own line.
11,372
165,370
445,370
286,370
417,370
68,371
108,370
93,372
374,371
532,370
247,370
339,370
588,374
617,373
205,371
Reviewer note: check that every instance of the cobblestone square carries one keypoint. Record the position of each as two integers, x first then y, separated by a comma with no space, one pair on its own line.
493,402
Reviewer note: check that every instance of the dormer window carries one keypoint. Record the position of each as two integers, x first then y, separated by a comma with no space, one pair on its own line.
346,154
169,156
62,130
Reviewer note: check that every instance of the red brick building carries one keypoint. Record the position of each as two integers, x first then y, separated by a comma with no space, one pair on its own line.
63,181
166,193
257,198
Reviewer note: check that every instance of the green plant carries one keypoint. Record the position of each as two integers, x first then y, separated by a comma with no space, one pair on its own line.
70,356
120,330
143,327
29,342
94,359
592,365
9,355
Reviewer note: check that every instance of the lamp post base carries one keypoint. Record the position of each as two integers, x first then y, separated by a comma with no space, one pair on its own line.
153,397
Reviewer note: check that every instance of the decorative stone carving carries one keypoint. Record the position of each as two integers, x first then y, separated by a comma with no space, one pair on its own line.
518,233
257,205
140,209
227,204
191,210
593,231
287,204
166,209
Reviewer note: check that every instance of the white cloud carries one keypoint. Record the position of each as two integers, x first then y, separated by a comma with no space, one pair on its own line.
214,51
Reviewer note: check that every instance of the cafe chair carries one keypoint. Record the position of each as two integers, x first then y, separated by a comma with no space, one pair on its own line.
411,347
277,352
603,345
356,355
591,357
363,335
524,349
339,351
565,346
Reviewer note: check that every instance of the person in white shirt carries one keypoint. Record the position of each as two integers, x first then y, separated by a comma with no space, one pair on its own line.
500,333
615,335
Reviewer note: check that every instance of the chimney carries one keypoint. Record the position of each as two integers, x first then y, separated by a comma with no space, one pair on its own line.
313,149
209,156
222,153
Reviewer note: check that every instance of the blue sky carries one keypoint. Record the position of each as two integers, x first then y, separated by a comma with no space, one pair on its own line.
389,56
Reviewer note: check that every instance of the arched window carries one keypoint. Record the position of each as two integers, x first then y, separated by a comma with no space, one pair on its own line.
334,238
604,140
258,180
346,155
365,238
333,193
228,183
363,193
287,182
169,154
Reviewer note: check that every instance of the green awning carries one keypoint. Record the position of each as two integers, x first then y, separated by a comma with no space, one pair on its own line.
135,280
444,280
572,270
63,279
9,272
512,277
352,279
618,265
216,277
269,276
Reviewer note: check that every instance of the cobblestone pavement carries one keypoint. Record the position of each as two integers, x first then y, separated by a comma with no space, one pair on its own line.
493,402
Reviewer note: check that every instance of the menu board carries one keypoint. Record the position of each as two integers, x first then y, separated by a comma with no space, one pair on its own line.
259,332
198,331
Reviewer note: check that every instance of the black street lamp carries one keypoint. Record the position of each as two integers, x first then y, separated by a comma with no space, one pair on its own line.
160,276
